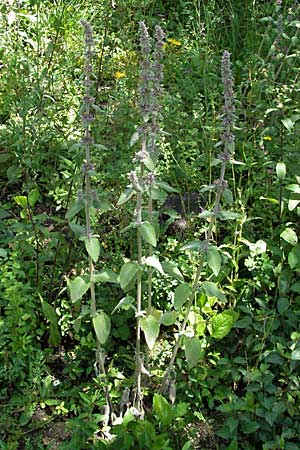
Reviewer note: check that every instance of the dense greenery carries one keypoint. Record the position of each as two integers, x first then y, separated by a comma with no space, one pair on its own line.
149,289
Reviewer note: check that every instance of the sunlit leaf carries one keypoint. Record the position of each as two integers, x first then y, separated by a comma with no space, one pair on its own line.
289,236
214,259
153,261
192,348
148,233
150,326
220,325
78,287
127,274
182,293
102,325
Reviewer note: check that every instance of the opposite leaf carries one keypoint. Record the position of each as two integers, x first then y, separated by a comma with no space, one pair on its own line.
101,324
148,233
78,287
150,326
127,274
214,260
182,293
192,349
92,246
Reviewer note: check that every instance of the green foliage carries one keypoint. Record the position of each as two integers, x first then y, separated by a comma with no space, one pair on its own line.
237,364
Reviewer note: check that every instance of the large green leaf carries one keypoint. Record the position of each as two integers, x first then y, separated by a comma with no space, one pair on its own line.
153,261
50,314
148,233
106,276
182,293
127,274
192,348
220,325
78,287
214,259
162,409
33,197
74,209
211,290
171,269
92,246
101,324
150,326
289,236
125,196
281,171
169,318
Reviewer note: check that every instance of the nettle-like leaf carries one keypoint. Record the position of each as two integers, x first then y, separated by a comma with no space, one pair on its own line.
125,303
148,233
128,273
214,259
289,236
101,322
50,314
92,246
162,409
171,269
106,276
182,293
78,287
125,196
21,200
74,209
211,290
153,261
192,348
281,171
169,318
33,197
150,326
220,325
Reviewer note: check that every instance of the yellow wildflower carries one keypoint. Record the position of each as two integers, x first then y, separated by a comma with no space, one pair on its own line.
119,75
174,42
267,138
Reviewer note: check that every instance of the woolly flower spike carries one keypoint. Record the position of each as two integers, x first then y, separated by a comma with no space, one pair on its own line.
144,39
229,108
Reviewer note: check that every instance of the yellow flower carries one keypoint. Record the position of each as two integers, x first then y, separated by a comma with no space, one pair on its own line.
267,138
174,42
119,75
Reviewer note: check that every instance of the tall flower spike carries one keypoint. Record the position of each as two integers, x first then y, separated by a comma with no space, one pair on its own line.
229,107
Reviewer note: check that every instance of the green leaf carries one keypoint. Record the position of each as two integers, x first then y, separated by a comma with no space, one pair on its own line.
281,171
125,196
182,293
149,163
148,233
228,215
283,304
294,188
292,204
92,246
165,186
211,290
214,259
134,138
169,318
21,200
125,303
294,257
295,356
153,261
171,269
289,236
250,426
162,409
4,213
150,326
49,311
127,274
101,323
33,197
156,194
288,123
193,245
74,209
78,287
106,276
192,348
220,325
